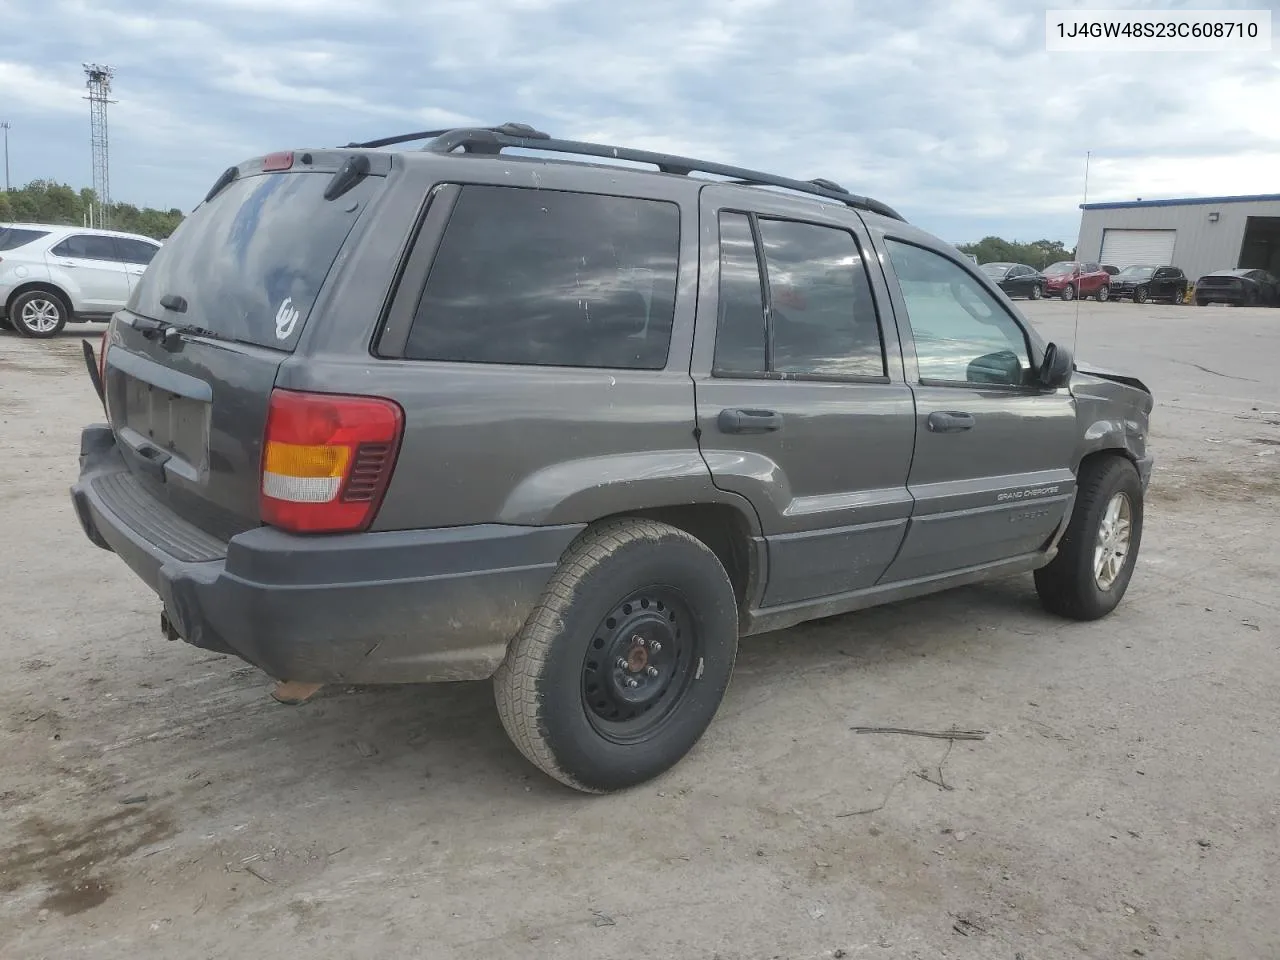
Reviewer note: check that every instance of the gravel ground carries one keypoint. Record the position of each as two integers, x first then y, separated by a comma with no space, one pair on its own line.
154,802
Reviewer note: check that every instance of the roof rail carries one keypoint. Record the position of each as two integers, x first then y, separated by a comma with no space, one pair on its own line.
493,140
510,129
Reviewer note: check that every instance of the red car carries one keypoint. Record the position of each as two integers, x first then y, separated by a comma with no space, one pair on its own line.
1069,279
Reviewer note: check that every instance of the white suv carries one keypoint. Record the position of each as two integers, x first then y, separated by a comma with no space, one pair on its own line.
51,275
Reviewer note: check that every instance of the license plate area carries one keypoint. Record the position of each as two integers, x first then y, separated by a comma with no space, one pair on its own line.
178,425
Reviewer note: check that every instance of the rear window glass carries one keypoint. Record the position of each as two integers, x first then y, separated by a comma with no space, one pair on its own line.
11,238
251,261
551,278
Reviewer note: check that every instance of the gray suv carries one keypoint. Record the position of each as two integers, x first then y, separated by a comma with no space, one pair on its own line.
457,413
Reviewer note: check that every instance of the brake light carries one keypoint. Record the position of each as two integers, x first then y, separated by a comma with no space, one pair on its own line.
277,161
326,460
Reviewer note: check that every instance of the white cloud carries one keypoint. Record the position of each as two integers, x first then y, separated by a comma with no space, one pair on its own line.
951,112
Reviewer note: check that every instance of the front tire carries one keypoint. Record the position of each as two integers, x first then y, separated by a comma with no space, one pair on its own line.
1097,554
1104,291
621,667
1068,292
1140,295
38,314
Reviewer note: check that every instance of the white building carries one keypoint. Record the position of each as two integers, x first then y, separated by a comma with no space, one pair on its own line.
1197,234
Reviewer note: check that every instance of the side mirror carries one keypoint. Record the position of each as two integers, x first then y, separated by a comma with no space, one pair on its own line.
1056,368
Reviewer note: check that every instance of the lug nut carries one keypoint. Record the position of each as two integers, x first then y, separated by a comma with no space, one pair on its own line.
622,663
652,671
633,683
655,646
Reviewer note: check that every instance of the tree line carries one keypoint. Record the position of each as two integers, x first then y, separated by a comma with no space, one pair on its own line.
44,201
1038,254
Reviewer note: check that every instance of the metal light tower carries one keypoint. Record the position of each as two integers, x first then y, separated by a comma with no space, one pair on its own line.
5,125
98,80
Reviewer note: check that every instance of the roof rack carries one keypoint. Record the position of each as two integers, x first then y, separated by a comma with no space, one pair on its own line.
493,140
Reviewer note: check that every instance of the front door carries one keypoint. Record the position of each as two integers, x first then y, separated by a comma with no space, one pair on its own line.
801,408
92,269
992,473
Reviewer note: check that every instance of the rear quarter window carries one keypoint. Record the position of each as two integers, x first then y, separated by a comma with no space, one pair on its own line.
11,238
551,278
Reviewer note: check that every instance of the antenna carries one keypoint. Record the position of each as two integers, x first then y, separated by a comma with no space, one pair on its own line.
98,80
1075,334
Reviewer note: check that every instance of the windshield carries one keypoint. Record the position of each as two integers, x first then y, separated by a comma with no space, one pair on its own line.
995,269
1137,273
1062,266
251,261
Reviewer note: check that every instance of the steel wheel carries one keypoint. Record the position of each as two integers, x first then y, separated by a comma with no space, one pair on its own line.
639,664
1112,546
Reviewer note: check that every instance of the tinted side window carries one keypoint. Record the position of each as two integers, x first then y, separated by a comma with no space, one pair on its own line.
823,317
961,333
135,251
740,329
545,277
11,238
87,246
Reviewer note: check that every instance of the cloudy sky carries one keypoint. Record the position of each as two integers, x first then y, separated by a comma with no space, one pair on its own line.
952,112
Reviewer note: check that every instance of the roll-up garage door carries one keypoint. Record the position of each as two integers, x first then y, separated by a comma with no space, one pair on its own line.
1126,248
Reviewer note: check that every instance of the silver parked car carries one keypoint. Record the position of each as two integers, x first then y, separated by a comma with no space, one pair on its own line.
50,276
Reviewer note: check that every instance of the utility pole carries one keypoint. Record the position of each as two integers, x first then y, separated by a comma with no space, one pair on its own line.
98,80
4,125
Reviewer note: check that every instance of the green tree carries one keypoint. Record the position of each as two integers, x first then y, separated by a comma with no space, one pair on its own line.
45,201
1038,254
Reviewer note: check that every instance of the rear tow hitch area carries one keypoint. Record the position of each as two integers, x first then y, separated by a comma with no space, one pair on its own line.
167,628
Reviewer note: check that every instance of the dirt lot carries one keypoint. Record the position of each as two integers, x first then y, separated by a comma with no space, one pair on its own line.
154,802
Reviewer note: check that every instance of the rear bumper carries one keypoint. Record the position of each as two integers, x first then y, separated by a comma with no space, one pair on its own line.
384,607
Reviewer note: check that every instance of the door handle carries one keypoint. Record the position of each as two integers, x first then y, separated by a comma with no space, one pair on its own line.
69,266
738,420
950,421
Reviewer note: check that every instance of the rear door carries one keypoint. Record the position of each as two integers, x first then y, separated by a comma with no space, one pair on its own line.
801,408
992,471
239,279
91,264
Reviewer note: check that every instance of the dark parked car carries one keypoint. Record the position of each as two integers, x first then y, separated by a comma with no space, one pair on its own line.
1143,283
1243,288
1016,279
452,413
1110,269
1069,279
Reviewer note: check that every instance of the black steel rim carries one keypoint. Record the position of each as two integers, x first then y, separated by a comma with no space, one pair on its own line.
639,664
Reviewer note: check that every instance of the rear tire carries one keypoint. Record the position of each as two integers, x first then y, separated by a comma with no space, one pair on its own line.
1036,293
1140,295
1097,554
38,314
585,693
1068,292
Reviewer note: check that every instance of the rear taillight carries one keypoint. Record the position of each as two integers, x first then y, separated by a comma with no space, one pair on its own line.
326,460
